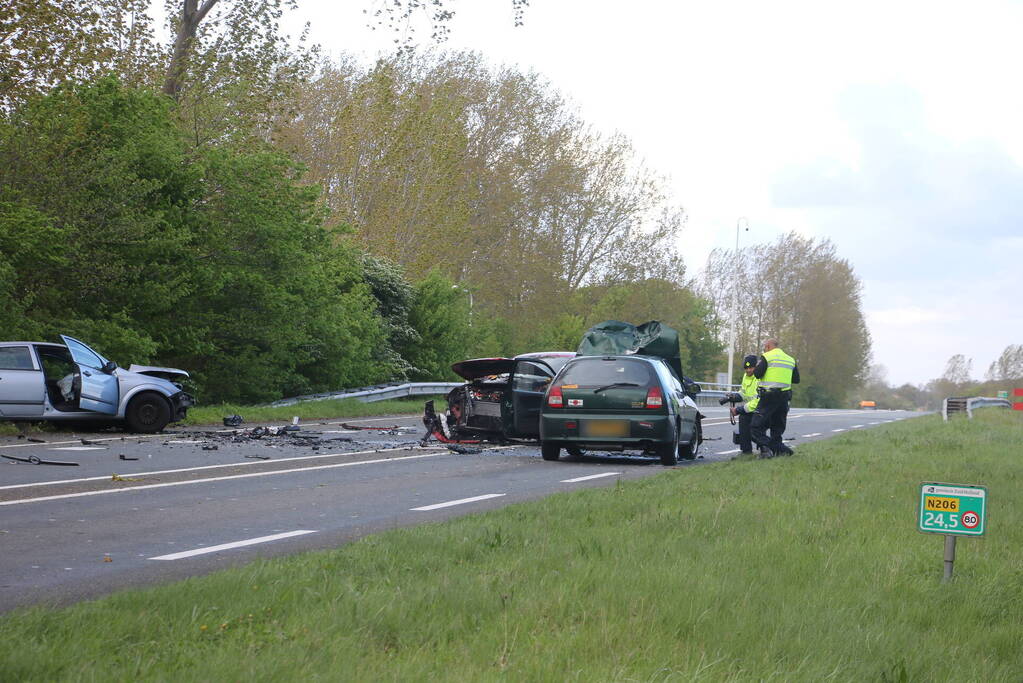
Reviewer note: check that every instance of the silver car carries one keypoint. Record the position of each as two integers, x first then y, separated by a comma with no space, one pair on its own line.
71,382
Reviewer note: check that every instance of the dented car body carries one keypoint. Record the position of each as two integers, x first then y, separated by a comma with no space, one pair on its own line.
500,400
42,381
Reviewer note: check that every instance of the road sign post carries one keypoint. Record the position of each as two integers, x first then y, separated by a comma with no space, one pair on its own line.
952,510
1017,399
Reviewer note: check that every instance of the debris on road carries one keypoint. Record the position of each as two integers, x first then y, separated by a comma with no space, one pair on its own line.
464,450
345,425
122,456
211,447
36,460
258,457
35,440
86,442
233,421
117,477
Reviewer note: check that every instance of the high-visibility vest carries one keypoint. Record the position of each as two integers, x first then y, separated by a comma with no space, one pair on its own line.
749,392
749,387
779,370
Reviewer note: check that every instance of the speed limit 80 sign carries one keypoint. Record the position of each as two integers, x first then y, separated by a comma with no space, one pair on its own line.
952,509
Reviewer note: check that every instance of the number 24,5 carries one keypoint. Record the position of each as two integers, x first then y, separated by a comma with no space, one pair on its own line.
938,519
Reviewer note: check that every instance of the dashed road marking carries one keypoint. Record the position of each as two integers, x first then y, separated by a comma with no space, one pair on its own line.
79,448
235,544
734,450
592,476
460,501
808,436
838,430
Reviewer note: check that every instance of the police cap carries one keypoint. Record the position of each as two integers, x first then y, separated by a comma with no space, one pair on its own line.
749,361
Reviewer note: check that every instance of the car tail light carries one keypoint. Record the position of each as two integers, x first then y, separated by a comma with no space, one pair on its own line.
554,397
654,398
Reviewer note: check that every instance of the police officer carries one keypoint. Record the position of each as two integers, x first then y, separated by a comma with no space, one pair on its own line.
777,372
744,411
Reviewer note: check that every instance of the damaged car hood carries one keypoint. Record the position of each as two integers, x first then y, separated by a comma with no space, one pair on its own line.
482,367
616,338
154,371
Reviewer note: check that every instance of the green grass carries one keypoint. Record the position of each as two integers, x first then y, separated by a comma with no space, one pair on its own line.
807,568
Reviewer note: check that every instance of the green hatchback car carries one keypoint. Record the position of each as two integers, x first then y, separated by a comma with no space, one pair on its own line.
620,403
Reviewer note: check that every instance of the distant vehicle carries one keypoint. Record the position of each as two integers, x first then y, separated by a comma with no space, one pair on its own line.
868,405
621,403
41,381
501,399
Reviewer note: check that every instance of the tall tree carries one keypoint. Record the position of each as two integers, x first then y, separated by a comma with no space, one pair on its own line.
47,42
798,290
1009,365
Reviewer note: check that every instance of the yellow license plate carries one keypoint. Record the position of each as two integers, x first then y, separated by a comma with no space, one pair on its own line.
604,428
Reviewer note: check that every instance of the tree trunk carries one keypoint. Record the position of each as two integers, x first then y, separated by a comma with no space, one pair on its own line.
191,16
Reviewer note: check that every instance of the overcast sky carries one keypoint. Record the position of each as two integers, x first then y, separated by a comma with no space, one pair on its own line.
891,128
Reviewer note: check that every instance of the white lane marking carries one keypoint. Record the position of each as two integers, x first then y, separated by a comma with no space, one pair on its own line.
838,430
225,478
79,448
185,441
735,450
809,436
874,423
856,426
592,476
461,501
213,467
57,443
236,544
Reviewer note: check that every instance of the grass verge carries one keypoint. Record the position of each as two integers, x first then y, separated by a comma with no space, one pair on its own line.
803,568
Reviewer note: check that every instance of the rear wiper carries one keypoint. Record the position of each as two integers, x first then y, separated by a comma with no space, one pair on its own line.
616,384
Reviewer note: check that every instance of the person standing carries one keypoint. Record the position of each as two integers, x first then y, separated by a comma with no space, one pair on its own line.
777,372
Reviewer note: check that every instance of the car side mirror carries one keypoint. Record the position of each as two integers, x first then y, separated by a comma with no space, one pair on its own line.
109,367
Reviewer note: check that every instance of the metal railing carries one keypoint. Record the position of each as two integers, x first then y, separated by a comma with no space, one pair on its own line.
963,404
378,392
383,392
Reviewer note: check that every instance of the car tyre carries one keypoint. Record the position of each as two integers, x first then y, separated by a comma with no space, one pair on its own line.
688,451
147,413
668,453
549,451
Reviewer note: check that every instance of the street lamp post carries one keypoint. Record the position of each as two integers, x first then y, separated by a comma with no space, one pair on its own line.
735,301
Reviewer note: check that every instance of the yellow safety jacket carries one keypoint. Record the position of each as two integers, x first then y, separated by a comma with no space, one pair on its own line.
748,390
779,370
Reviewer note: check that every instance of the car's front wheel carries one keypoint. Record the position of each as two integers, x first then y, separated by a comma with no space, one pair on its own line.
148,412
549,451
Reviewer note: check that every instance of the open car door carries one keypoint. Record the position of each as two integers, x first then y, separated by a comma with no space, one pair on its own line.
99,390
528,383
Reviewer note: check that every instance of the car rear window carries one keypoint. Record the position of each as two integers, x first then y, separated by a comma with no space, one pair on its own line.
15,358
600,371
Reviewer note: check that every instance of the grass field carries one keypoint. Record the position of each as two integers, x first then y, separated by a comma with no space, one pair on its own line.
807,568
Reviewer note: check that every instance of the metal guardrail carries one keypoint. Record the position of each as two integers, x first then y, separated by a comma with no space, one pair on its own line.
963,404
379,392
383,392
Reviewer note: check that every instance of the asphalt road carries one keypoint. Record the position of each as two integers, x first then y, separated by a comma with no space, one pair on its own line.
140,510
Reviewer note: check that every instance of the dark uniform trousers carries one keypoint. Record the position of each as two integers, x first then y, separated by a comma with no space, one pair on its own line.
745,436
772,413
